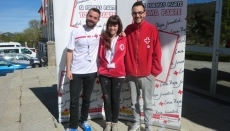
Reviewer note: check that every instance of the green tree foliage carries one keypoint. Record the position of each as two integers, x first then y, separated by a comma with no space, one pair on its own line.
20,37
225,26
33,33
7,36
29,35
200,23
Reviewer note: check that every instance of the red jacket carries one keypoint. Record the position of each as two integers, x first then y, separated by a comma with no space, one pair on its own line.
143,55
118,59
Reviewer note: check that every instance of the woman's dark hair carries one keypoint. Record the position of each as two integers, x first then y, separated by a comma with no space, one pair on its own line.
113,20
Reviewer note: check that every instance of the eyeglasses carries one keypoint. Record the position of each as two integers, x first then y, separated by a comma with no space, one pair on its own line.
139,13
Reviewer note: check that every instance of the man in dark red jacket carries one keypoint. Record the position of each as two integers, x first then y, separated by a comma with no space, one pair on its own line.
143,64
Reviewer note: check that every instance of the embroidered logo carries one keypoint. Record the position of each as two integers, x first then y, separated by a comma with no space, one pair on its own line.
122,47
96,35
147,41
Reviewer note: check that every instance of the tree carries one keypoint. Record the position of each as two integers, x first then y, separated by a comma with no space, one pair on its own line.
20,37
200,24
7,36
33,33
225,25
29,35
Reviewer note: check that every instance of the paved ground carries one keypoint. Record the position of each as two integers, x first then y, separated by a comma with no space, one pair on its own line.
28,100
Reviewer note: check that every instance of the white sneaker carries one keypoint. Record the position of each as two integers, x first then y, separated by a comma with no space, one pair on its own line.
114,127
107,126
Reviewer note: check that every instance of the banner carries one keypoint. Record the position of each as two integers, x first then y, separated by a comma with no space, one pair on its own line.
170,19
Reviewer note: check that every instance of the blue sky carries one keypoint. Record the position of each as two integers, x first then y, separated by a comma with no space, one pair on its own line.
199,1
16,14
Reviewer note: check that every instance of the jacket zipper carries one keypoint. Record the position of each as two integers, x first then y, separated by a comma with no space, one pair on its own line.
138,35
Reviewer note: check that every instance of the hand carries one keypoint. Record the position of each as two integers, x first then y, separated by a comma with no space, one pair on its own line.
69,75
123,34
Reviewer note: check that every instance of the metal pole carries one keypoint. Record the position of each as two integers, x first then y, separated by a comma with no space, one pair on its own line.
216,42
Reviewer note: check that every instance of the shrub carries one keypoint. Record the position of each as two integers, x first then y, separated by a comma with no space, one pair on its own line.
205,57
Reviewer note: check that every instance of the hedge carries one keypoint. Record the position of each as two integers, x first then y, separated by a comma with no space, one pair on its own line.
205,57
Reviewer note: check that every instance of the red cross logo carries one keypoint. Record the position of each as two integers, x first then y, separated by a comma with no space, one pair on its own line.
180,91
156,85
97,82
161,103
96,35
175,73
122,47
147,40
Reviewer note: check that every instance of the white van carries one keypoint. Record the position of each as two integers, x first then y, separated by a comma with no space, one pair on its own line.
10,44
22,50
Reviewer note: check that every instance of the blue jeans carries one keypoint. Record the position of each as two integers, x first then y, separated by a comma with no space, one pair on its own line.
111,88
79,82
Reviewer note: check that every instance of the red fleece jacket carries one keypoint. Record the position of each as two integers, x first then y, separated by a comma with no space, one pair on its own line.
143,56
118,59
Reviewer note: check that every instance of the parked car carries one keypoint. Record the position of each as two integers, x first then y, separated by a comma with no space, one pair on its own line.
9,67
10,44
21,50
22,59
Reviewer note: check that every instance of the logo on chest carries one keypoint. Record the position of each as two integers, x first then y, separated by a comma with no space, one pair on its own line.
122,47
147,41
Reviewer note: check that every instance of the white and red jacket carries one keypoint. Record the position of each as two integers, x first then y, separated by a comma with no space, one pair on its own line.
118,59
143,55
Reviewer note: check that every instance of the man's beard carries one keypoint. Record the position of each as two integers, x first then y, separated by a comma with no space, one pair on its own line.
90,25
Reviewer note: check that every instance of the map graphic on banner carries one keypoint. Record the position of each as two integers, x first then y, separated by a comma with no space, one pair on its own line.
170,19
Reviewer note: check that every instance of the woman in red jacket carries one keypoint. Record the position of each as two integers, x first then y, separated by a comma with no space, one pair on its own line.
111,70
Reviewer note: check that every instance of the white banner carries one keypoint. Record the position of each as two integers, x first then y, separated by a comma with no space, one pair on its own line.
170,19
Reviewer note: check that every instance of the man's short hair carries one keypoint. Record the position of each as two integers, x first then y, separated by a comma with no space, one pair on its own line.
138,3
95,10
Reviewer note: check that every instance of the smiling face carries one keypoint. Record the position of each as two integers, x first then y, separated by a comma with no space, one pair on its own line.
114,25
92,18
113,28
138,14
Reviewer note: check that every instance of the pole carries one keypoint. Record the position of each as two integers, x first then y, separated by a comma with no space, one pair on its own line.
216,42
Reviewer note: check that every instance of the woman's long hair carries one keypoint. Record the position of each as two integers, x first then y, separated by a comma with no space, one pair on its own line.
113,20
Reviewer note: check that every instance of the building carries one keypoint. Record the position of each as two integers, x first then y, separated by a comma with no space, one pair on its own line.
47,25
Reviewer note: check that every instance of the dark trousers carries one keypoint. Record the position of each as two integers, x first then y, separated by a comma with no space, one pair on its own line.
111,88
79,82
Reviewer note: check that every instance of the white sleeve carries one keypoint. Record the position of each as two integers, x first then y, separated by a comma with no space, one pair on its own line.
71,43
